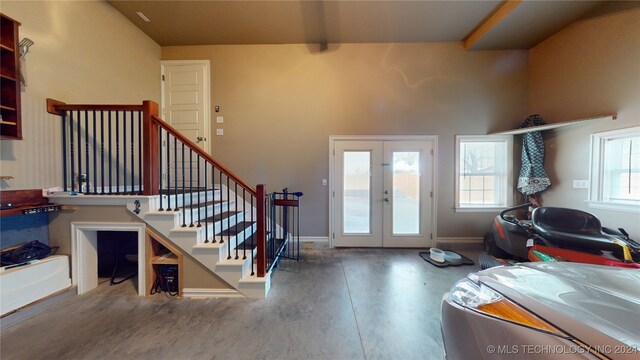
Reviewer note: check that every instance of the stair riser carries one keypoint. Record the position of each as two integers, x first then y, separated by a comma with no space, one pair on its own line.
179,201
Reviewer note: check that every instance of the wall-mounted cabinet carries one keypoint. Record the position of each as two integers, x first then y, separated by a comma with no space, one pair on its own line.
10,122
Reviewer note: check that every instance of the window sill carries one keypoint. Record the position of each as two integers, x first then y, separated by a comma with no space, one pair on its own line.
632,208
494,209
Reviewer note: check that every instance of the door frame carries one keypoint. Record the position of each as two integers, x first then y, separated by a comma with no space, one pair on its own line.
332,180
206,98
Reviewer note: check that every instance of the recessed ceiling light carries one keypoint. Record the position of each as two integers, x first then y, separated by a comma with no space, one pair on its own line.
143,17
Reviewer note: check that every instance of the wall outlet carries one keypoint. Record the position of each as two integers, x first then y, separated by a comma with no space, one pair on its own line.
219,132
580,184
324,182
219,119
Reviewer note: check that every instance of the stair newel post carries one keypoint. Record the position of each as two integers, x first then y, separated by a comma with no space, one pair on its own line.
261,235
150,146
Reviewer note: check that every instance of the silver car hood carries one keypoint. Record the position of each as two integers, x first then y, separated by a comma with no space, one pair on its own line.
571,295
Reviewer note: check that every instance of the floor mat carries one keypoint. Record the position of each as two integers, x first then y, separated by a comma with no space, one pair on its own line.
426,255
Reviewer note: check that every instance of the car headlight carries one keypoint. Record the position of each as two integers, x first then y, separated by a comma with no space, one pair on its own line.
481,298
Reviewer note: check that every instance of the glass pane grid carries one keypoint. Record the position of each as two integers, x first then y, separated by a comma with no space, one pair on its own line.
482,173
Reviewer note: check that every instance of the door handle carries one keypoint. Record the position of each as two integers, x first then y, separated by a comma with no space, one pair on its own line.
200,138
386,199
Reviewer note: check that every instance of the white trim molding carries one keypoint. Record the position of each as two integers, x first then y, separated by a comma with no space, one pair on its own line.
314,242
84,252
434,178
198,293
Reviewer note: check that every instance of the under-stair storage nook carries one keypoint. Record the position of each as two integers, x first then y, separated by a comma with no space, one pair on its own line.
160,254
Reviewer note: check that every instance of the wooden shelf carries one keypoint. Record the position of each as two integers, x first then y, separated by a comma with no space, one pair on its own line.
166,259
25,202
11,123
556,125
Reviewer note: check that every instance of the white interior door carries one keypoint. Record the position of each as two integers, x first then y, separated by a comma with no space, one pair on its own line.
383,193
185,105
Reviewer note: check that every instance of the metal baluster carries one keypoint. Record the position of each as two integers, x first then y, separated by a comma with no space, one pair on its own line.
243,232
229,223
71,150
191,186
140,190
244,212
198,187
117,152
228,207
213,196
133,147
160,166
184,224
64,151
95,154
109,125
79,132
206,207
175,168
101,153
168,172
86,151
124,152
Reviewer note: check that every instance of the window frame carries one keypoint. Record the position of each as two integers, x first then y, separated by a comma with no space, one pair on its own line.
507,192
596,171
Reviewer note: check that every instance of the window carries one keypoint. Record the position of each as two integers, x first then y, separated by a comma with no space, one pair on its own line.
615,170
483,172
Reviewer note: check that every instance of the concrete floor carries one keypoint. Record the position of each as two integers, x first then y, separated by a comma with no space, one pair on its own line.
334,304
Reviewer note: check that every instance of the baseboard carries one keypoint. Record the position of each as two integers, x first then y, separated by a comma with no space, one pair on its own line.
314,242
196,293
460,243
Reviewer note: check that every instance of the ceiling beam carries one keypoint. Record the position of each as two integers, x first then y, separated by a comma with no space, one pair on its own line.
489,23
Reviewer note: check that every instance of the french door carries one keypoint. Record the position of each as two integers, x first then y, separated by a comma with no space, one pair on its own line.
382,193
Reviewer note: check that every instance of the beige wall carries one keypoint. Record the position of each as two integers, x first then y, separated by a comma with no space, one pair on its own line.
590,68
84,52
195,274
282,102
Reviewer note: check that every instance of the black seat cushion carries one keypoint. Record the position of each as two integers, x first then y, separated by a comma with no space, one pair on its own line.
571,228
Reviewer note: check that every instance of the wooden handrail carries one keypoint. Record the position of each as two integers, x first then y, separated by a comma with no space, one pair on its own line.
203,154
56,107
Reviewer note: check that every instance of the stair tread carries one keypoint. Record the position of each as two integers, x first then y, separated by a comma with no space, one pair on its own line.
214,202
236,229
220,216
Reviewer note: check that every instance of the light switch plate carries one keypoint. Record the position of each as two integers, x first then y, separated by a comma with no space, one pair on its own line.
580,184
219,119
220,132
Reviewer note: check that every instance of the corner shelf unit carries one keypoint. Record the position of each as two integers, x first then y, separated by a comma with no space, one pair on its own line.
160,252
10,122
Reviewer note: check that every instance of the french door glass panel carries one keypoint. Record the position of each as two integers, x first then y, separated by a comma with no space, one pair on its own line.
357,192
406,192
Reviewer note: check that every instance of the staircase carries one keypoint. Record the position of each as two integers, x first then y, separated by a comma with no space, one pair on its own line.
214,229
180,191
